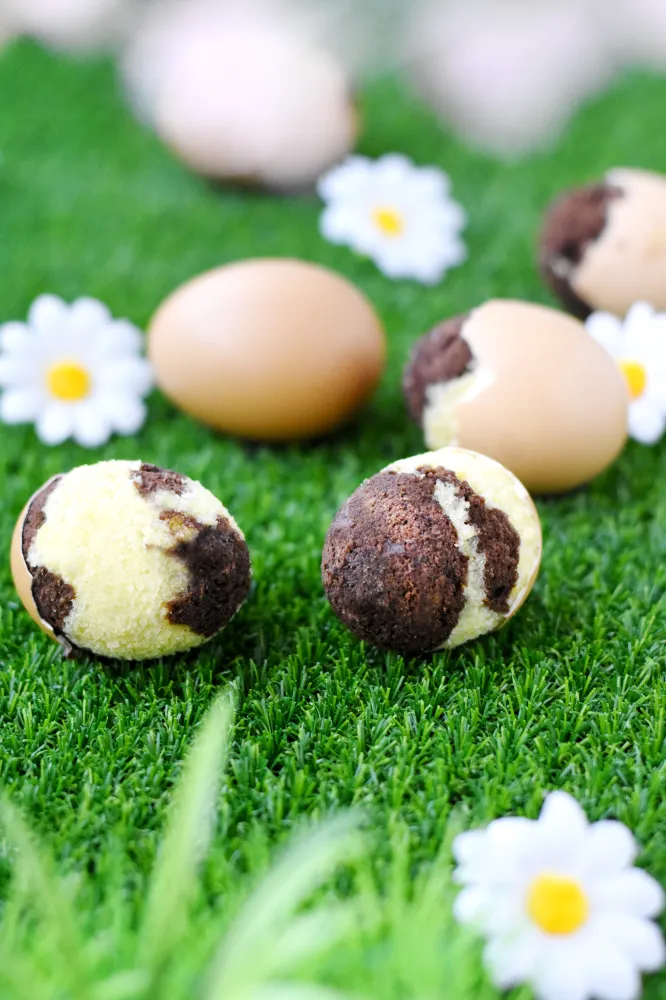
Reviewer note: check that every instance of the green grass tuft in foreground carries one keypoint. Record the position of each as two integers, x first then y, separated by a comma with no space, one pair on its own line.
569,695
261,946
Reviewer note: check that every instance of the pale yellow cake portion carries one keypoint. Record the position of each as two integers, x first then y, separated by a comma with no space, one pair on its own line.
500,489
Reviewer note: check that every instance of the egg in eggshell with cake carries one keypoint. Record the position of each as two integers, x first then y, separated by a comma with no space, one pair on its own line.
603,245
524,384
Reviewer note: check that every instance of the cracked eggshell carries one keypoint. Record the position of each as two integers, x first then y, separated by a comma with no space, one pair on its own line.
529,387
603,246
21,574
271,350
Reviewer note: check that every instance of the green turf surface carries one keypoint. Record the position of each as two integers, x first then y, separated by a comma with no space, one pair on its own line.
569,695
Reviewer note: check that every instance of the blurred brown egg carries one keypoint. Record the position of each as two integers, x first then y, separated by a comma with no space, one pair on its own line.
257,104
271,349
603,246
525,385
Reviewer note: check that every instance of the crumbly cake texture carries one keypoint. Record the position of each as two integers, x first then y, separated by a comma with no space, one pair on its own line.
131,561
433,551
438,357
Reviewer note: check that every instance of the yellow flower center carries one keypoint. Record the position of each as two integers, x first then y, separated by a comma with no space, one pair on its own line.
635,376
557,904
68,381
389,221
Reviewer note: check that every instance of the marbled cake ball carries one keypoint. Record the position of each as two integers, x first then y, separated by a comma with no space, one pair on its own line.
431,552
603,245
129,561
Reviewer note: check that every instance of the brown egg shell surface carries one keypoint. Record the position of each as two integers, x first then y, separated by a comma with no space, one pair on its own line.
541,397
272,349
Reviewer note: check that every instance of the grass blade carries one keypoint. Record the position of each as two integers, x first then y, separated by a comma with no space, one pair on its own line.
296,991
189,830
251,952
36,884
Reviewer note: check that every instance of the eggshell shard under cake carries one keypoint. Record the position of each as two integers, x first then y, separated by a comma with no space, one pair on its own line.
129,561
432,552
524,384
603,245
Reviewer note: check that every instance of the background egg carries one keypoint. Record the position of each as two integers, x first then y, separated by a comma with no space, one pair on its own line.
525,385
268,349
603,246
257,103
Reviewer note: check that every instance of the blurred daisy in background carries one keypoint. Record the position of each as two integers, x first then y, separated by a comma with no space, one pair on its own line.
638,344
73,371
560,903
399,215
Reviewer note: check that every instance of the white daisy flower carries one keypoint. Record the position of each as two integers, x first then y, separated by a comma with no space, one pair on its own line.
638,344
398,214
560,904
73,371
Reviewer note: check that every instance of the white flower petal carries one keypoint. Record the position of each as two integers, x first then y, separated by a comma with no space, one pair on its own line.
394,169
447,217
126,414
609,847
129,376
118,338
87,316
641,314
471,904
16,371
55,423
48,315
559,974
20,406
511,962
16,338
646,422
609,973
355,172
607,331
338,224
492,909
429,242
509,838
562,828
468,847
91,427
632,891
655,390
431,183
641,940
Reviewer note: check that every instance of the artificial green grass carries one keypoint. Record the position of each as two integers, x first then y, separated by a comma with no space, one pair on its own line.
569,695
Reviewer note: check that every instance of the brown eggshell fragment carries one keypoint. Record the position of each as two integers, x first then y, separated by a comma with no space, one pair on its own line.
539,395
22,577
604,247
268,349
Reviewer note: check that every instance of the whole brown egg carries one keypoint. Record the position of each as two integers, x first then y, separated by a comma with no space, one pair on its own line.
270,349
525,385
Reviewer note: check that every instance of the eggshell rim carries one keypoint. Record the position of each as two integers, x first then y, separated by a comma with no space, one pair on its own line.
60,639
